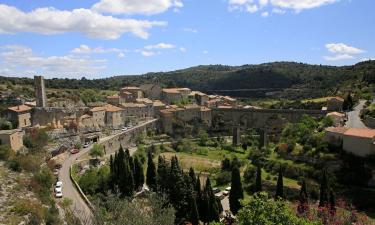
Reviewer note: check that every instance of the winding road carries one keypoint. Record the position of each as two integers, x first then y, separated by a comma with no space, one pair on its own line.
79,207
354,119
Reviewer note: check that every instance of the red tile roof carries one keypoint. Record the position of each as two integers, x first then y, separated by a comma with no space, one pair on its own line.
360,132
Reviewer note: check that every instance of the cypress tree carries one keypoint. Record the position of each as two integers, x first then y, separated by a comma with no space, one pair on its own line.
194,216
199,199
303,196
162,175
236,192
280,185
213,208
332,201
323,200
151,172
177,190
192,176
258,180
139,177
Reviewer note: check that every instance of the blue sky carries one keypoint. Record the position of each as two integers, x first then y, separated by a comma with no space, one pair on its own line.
101,38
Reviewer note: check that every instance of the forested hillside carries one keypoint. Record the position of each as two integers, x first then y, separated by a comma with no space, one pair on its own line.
277,75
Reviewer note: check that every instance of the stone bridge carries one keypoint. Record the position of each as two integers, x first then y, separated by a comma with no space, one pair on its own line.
258,118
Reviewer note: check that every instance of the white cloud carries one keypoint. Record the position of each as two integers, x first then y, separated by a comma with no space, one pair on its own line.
121,55
367,59
205,52
50,21
188,29
183,50
147,7
341,48
147,53
19,59
84,49
341,51
265,14
299,5
159,46
276,6
338,57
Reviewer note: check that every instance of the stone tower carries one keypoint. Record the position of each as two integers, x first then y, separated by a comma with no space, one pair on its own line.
40,91
236,141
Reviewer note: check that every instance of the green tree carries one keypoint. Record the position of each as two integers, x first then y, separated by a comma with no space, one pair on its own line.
97,151
323,199
236,192
262,210
151,172
213,209
280,185
258,180
162,175
139,177
303,196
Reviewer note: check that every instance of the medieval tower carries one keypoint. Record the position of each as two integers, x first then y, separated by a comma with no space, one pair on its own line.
40,91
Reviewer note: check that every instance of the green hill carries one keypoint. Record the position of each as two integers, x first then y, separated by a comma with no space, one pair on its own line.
239,80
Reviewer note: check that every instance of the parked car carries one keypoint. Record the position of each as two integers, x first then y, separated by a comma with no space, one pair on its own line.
228,189
74,151
124,129
58,186
225,193
58,194
215,190
86,145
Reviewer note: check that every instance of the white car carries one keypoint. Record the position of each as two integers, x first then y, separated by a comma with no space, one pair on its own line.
124,129
228,189
86,145
58,194
225,193
58,186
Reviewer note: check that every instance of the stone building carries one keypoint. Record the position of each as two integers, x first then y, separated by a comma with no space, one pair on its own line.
198,97
13,138
98,115
173,95
357,141
151,91
113,116
136,110
335,104
113,100
136,92
185,114
20,115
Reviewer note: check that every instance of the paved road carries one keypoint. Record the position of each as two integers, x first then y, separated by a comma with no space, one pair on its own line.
79,206
354,120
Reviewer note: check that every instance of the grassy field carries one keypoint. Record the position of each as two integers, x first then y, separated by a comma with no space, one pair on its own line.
317,100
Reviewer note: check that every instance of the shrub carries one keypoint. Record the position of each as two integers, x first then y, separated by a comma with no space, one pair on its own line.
249,174
223,177
5,152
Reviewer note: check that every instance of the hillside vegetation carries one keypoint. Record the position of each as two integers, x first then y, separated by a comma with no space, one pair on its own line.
299,77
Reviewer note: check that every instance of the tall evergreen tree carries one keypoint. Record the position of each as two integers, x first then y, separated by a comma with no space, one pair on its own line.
151,172
236,192
192,176
194,215
258,180
323,200
139,177
199,199
162,175
303,196
332,201
280,185
213,208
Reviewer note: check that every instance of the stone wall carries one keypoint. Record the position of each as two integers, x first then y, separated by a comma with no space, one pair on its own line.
55,117
127,138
